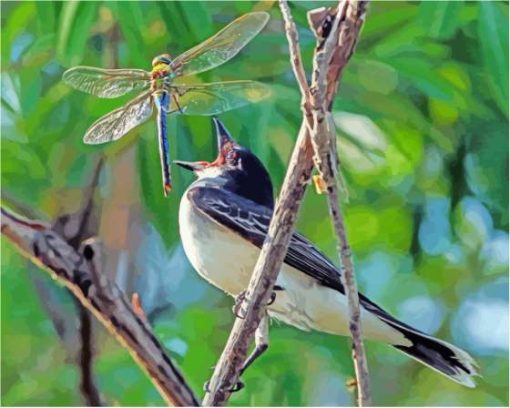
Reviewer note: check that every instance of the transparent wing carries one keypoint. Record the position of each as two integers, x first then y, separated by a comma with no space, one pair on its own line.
106,83
214,98
223,46
116,124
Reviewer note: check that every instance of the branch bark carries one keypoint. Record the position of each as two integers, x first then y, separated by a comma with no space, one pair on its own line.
80,272
275,246
335,52
88,387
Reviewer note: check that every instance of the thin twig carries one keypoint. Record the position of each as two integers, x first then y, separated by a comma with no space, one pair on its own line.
295,51
273,252
75,228
41,244
324,143
87,386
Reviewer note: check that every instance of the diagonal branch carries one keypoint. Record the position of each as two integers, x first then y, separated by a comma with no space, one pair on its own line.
80,272
275,246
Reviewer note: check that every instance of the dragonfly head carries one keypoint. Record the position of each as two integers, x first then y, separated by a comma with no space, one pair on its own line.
165,59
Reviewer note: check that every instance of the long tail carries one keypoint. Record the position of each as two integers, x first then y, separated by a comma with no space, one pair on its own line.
439,355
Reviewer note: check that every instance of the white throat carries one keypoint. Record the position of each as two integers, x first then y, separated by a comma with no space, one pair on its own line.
209,172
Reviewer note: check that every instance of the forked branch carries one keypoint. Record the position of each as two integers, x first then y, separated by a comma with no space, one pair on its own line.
331,56
281,227
80,272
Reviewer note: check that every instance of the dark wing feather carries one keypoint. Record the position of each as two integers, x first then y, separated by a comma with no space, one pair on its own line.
251,222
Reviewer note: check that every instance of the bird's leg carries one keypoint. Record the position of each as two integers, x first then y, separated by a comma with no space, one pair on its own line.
261,345
261,342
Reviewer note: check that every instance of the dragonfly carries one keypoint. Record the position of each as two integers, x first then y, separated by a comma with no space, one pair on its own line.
167,88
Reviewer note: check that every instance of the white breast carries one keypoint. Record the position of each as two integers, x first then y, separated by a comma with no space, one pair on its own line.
217,254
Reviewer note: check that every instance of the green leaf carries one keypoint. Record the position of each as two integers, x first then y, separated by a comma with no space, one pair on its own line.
131,21
76,19
422,75
389,17
176,26
15,25
493,32
196,13
45,17
441,18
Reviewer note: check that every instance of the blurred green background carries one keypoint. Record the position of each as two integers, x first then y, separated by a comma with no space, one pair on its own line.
422,118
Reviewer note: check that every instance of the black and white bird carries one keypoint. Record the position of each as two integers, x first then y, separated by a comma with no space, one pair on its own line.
223,220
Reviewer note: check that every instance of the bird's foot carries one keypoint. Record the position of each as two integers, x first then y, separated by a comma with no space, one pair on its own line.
276,288
238,303
239,385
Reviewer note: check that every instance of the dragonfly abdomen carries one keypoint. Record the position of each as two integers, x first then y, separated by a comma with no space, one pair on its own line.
162,101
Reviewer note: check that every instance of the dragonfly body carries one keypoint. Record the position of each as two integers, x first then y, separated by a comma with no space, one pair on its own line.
160,90
162,102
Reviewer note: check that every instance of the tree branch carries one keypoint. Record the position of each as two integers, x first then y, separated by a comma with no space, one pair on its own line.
273,252
343,38
295,51
80,273
87,386
74,228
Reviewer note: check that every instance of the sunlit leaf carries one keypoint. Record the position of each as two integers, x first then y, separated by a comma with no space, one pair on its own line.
493,31
76,19
441,18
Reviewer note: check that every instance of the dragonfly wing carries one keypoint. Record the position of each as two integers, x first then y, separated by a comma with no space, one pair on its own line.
223,46
106,83
214,98
116,124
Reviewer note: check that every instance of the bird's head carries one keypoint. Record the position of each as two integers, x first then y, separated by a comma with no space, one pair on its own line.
235,168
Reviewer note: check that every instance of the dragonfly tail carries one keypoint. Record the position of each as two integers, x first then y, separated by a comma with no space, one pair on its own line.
163,105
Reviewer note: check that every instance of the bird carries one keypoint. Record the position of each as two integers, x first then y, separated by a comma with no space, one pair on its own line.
224,217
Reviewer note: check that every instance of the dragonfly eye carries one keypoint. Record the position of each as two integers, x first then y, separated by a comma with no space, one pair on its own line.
162,59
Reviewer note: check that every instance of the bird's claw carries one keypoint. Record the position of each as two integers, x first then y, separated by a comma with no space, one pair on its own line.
239,385
238,303
271,299
273,294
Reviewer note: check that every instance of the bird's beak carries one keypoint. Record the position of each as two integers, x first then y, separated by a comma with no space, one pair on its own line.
225,144
193,166
222,135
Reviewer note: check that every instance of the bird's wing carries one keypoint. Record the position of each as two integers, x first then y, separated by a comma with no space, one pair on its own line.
251,222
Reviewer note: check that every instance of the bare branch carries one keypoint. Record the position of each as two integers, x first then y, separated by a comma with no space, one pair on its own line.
74,228
295,52
80,274
343,38
87,386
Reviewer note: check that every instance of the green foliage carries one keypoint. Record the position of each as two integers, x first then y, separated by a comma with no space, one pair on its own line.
422,118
